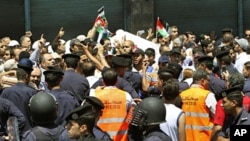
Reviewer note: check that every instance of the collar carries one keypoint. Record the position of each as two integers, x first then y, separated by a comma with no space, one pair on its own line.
196,86
241,117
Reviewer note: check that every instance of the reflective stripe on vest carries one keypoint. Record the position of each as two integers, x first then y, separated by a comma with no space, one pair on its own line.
115,133
110,120
114,113
198,121
196,127
196,114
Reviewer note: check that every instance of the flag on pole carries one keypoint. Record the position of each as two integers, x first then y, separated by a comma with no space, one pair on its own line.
160,29
101,19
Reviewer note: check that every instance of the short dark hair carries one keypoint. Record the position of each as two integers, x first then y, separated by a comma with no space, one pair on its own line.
109,76
164,75
88,68
236,80
87,119
199,74
150,52
205,43
71,62
238,97
226,59
53,79
21,74
170,89
209,64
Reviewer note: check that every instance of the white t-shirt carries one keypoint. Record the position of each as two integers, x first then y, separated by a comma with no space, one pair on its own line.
170,127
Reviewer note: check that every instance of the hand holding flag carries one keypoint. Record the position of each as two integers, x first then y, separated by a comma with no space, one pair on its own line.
160,29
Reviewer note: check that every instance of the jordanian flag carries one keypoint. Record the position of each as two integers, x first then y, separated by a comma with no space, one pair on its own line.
101,19
160,29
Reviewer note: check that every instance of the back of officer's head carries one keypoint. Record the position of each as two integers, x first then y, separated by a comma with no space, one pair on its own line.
53,76
43,108
109,77
165,74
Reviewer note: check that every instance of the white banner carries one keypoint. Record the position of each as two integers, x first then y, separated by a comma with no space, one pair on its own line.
138,41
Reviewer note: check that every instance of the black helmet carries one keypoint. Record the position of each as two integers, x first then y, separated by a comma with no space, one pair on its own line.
43,108
150,111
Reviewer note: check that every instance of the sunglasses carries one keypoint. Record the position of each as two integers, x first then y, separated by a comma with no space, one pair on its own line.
247,35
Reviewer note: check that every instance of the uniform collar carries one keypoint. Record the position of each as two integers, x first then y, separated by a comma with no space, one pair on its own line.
243,116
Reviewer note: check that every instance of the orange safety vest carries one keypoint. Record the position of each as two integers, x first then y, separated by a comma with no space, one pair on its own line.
198,122
113,118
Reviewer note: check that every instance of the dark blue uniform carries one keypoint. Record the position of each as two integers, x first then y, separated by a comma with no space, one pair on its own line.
135,79
99,134
20,95
49,132
8,109
231,69
88,137
216,85
121,84
157,136
242,119
75,83
66,103
246,88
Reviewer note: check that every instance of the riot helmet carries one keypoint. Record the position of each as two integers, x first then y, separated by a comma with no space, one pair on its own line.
43,108
150,111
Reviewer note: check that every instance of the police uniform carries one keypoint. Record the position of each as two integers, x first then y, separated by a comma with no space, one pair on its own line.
20,93
38,133
246,88
66,99
243,118
75,82
216,85
135,79
98,105
230,68
157,135
66,103
7,109
76,114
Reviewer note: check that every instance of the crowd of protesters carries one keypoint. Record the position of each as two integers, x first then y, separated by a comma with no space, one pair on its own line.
84,89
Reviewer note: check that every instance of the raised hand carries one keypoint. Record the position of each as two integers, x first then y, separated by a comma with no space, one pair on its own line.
61,32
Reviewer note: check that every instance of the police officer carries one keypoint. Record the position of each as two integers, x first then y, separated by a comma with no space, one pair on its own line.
80,124
97,108
216,84
225,62
43,111
8,109
66,99
73,81
147,117
232,104
21,92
